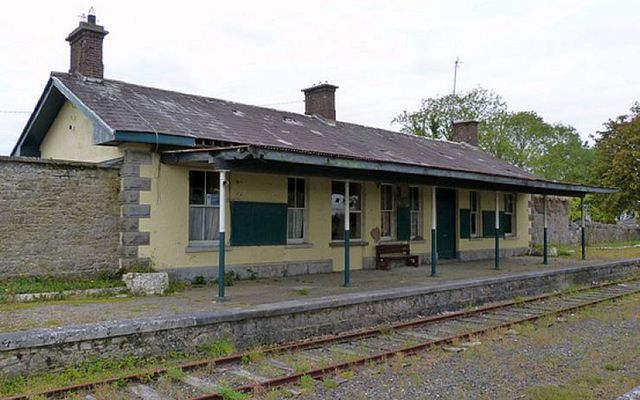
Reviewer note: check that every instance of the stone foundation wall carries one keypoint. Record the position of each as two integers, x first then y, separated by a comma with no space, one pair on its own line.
29,352
58,218
562,230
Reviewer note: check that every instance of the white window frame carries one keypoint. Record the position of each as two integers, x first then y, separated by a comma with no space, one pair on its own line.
351,210
475,214
389,211
303,208
415,213
512,213
202,243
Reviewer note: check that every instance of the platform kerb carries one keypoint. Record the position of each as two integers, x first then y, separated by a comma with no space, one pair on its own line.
29,352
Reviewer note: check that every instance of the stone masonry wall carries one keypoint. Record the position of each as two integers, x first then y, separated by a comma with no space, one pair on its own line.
562,230
58,218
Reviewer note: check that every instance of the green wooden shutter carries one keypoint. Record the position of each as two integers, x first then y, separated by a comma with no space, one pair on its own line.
258,224
403,223
488,224
465,223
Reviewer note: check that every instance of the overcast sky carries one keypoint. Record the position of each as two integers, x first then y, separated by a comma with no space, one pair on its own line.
572,61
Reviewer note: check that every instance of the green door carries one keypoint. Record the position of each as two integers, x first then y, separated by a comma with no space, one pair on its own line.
446,223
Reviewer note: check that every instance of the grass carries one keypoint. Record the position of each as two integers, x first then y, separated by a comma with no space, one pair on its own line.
302,292
307,384
230,394
218,348
87,372
550,392
610,250
19,285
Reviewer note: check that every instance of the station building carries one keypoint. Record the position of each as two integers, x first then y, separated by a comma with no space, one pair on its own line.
208,183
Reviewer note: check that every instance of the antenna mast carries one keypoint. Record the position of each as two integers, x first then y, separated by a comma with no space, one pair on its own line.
455,74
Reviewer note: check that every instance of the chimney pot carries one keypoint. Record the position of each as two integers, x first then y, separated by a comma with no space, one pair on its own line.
86,48
320,100
466,131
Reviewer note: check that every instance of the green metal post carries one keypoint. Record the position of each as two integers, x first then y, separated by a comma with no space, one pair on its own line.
545,258
347,236
434,253
434,244
497,248
222,204
497,256
221,266
583,241
347,259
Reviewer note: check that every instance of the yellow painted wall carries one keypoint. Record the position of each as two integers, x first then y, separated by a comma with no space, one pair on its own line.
487,203
70,137
170,210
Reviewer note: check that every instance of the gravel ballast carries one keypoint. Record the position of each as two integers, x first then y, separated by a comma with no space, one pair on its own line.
594,354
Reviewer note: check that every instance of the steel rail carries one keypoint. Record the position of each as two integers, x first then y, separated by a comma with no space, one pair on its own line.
332,369
310,343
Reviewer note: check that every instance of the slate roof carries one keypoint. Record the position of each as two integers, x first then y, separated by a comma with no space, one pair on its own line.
128,107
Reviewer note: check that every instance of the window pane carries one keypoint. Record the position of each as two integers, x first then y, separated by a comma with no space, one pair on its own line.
295,223
414,193
195,223
355,196
213,189
386,197
337,210
415,224
337,226
196,187
291,192
211,223
386,224
299,193
474,201
355,224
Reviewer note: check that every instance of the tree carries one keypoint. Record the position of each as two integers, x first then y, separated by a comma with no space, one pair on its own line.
618,165
554,151
435,115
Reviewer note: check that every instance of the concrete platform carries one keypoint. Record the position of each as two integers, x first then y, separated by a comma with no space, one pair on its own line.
246,294
50,348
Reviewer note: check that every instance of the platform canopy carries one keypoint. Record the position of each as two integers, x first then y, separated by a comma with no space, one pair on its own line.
269,159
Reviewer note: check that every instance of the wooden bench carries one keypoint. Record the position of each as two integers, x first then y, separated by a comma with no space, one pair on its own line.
394,251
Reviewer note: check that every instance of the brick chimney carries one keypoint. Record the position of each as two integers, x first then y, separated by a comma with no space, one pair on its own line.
321,100
466,131
86,48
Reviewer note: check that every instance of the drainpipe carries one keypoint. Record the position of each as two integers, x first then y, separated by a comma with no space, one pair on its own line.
545,259
583,240
347,238
497,230
222,229
434,251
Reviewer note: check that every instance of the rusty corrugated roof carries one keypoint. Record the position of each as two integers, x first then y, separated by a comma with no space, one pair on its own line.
128,107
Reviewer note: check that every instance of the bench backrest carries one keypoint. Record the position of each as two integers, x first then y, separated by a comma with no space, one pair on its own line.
392,249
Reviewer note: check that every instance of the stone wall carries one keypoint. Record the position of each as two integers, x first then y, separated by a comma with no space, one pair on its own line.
58,218
30,352
562,230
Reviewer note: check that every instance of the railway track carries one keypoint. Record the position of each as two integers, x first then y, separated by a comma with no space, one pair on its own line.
286,364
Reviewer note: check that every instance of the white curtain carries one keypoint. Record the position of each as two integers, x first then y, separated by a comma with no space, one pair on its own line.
295,223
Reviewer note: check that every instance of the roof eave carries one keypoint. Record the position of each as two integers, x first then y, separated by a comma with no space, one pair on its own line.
532,186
